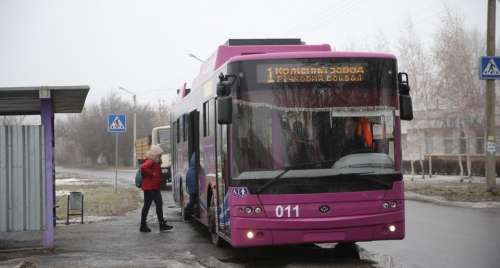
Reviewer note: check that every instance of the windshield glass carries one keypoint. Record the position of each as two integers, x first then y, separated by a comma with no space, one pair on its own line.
270,140
333,116
164,139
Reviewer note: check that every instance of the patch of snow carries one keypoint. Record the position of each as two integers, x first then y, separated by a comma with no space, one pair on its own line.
68,181
86,219
62,193
446,178
442,201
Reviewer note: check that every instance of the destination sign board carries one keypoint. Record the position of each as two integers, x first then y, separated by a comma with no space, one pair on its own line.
309,73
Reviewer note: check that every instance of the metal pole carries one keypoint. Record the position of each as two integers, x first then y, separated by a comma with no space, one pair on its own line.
490,103
116,162
195,57
134,160
47,113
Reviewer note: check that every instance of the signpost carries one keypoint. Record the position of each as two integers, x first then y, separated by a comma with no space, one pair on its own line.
117,123
489,68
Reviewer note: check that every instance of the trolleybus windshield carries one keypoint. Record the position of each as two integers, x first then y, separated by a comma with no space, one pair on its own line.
315,118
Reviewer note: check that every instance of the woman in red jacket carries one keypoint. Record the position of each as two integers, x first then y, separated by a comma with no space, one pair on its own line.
151,181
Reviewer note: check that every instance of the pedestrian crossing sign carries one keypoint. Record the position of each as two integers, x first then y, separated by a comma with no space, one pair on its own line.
489,68
117,123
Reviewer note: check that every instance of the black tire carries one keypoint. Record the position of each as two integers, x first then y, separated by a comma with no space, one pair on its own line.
347,250
216,239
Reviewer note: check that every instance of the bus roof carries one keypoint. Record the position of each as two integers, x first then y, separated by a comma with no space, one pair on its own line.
255,49
239,47
312,54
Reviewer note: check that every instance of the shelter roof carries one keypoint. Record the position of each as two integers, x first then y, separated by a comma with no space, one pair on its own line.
26,100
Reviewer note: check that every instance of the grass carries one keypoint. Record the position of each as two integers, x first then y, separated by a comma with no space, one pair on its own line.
454,191
100,200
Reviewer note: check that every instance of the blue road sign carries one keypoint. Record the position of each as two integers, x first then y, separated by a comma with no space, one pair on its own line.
117,123
489,68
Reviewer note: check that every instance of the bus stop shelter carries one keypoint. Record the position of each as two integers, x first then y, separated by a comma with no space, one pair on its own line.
27,182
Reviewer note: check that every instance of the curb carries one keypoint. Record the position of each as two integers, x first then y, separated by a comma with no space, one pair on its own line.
441,201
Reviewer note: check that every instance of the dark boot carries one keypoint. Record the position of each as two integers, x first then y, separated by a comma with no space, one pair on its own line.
164,226
144,228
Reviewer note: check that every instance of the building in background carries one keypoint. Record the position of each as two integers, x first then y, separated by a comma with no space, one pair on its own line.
446,142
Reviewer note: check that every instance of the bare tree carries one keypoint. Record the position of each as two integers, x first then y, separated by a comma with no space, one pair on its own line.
416,62
381,43
456,52
83,138
162,113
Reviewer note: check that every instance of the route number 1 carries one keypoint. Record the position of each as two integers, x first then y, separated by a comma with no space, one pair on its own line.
280,211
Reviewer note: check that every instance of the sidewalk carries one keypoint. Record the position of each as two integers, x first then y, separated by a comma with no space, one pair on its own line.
451,191
116,242
447,178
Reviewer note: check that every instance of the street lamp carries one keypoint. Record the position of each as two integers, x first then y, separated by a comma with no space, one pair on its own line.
135,124
195,57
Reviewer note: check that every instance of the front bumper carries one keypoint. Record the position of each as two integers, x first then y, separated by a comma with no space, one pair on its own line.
273,231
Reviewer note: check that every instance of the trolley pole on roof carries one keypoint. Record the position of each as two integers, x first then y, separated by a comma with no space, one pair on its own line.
490,104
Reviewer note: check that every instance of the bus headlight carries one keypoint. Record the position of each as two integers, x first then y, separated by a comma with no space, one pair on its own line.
248,210
258,210
389,204
250,235
392,228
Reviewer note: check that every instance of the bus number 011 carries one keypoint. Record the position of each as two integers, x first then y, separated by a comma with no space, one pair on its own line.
280,211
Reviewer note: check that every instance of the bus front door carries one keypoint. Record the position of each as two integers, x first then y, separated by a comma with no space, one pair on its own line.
223,165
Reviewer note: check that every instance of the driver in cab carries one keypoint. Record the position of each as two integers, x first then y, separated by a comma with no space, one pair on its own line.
357,136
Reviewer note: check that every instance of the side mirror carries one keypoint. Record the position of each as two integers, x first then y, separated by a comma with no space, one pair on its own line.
225,84
405,107
225,110
405,103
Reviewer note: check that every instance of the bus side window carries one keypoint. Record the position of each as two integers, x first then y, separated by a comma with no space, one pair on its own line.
178,130
184,127
206,114
211,117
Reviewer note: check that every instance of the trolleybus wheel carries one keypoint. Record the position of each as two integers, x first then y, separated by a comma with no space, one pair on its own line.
347,250
212,221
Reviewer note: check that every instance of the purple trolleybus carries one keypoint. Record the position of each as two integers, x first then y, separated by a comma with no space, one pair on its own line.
294,143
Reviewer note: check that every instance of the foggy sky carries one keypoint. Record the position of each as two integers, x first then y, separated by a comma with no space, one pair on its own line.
144,45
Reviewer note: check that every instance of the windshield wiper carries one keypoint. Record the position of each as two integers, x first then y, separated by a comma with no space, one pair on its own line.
371,165
272,181
372,177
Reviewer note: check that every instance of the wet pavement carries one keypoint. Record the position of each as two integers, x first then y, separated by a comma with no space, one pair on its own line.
436,236
444,236
118,243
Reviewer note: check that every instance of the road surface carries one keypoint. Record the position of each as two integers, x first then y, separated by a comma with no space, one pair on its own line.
436,236
441,236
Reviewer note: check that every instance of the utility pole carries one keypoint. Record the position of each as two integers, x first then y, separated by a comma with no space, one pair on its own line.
135,132
490,103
